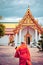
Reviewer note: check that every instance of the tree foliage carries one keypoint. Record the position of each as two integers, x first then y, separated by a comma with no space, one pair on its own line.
1,17
2,30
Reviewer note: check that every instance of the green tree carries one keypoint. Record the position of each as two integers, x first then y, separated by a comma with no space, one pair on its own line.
1,17
2,30
40,42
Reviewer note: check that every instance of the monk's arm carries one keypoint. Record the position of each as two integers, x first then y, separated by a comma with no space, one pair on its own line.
17,53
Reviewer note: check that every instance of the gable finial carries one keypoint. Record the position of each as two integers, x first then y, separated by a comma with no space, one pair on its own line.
28,6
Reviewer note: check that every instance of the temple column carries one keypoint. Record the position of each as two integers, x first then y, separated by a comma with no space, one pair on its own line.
39,36
36,35
20,36
16,40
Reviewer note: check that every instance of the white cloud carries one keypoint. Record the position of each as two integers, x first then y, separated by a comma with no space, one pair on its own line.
11,19
29,2
40,19
22,2
17,19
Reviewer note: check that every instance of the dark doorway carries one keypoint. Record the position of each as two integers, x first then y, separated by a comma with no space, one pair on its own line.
28,40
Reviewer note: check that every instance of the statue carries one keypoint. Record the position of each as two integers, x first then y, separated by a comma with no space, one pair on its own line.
11,40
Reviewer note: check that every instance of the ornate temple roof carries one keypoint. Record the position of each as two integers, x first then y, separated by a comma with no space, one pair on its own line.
28,20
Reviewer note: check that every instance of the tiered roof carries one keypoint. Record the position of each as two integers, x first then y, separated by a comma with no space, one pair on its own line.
28,20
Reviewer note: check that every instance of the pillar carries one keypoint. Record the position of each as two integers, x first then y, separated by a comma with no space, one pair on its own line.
36,36
39,36
16,40
20,36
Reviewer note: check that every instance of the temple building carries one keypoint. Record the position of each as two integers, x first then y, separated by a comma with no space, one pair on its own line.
27,30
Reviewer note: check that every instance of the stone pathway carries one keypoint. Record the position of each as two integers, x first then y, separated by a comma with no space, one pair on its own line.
7,56
36,56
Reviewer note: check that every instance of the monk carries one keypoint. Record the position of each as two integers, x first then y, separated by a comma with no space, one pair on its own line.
23,54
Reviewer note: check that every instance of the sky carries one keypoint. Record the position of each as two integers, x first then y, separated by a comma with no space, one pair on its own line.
13,10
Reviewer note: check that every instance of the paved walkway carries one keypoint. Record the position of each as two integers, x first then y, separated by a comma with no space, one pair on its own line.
7,56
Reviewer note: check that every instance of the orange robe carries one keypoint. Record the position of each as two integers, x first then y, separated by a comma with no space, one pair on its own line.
23,54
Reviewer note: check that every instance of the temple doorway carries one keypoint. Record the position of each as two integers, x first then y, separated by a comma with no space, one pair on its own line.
28,40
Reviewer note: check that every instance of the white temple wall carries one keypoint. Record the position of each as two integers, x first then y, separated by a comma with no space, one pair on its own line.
4,40
32,33
23,33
